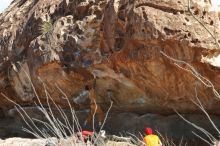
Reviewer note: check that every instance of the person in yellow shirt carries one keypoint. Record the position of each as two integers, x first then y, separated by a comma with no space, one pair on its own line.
150,139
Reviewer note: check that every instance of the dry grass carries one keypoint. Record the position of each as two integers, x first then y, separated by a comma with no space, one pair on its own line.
209,138
58,131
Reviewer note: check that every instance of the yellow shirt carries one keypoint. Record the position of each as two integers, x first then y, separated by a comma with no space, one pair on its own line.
152,140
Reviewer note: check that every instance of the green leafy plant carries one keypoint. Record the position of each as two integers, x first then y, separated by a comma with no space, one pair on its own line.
45,27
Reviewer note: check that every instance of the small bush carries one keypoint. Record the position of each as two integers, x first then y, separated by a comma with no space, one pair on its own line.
45,27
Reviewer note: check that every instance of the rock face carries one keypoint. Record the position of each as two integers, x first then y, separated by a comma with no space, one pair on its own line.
65,43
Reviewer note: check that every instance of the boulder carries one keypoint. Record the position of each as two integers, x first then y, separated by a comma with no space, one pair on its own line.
60,45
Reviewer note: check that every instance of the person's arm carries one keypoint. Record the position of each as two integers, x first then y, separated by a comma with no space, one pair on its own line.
160,143
144,143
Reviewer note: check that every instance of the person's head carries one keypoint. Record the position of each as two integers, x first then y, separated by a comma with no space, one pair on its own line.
148,131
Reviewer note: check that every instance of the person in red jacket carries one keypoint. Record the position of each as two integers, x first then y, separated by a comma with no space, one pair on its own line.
87,134
84,136
150,139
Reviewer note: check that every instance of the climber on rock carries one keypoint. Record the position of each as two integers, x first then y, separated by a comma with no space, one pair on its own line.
94,107
88,97
150,139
